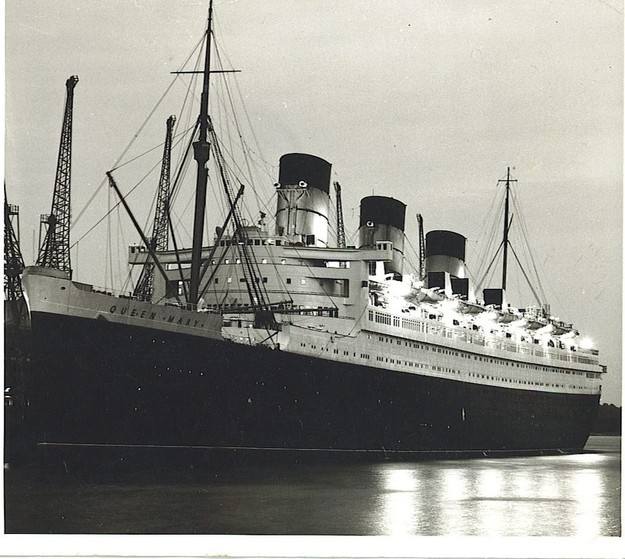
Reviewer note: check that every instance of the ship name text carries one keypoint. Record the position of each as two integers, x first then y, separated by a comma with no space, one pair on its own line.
149,315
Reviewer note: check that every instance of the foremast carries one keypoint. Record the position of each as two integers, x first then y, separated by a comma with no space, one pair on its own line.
201,152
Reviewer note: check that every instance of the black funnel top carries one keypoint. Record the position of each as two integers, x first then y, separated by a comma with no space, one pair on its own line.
381,210
445,243
298,167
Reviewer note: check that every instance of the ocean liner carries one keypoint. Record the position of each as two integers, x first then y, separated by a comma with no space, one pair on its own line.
286,338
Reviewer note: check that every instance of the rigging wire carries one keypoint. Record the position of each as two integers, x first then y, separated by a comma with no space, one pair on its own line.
240,175
134,137
486,221
189,96
149,214
141,180
132,160
180,136
480,283
232,162
182,168
179,221
526,278
471,274
238,129
415,253
266,165
523,251
109,249
119,273
525,234
492,221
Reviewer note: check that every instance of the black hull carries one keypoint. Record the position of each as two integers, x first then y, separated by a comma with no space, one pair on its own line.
100,383
17,372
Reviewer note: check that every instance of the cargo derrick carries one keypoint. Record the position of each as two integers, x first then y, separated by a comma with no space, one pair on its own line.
257,292
13,261
340,226
160,237
54,250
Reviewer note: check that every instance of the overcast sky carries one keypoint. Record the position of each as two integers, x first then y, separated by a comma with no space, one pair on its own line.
425,101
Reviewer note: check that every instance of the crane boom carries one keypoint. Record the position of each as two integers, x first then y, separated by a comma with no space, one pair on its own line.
54,251
340,225
160,232
421,248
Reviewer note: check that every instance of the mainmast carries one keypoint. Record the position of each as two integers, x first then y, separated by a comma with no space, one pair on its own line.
506,228
201,149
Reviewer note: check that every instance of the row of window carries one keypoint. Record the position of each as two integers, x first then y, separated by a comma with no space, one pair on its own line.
336,351
226,261
252,242
467,355
417,365
520,381
215,281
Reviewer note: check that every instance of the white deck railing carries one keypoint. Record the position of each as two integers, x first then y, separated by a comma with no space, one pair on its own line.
476,338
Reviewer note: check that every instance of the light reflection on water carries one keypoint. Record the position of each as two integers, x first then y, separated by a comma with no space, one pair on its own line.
401,507
556,496
576,495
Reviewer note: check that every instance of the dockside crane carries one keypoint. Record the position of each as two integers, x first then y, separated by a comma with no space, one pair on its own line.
54,249
13,260
421,247
340,225
160,237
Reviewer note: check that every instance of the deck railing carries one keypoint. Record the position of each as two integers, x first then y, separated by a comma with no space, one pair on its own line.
477,338
128,295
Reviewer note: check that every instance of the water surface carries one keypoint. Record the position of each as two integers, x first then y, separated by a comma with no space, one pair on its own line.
575,495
